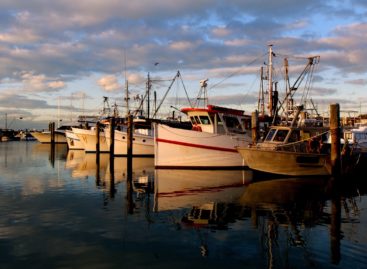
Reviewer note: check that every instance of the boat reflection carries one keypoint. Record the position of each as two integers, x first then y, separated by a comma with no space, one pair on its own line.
142,169
87,165
176,189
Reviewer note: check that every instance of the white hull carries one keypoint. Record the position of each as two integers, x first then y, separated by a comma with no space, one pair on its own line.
45,137
143,144
286,163
179,148
177,189
73,140
89,140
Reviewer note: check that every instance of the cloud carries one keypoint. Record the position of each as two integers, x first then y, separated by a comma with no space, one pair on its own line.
39,82
109,83
360,81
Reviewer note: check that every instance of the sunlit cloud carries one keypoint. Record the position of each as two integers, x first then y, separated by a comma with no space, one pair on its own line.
109,83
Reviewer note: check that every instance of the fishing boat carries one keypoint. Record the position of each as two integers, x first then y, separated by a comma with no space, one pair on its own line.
291,151
211,143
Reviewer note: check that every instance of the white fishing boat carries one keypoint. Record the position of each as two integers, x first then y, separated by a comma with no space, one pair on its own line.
290,151
211,143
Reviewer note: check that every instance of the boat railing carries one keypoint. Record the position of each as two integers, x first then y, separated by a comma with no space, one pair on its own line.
314,144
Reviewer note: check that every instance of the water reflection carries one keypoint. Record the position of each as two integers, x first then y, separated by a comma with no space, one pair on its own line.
172,217
176,189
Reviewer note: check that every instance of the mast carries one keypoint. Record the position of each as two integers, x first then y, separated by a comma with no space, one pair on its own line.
149,85
270,80
127,97
260,103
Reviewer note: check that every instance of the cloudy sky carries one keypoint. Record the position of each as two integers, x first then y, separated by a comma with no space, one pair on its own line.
59,58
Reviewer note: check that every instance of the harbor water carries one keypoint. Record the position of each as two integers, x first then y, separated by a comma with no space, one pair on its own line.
61,209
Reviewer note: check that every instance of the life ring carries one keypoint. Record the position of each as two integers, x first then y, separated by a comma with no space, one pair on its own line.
196,128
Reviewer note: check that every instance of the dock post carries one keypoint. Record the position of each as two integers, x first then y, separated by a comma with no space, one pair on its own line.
112,137
52,130
335,139
112,155
129,155
254,126
97,143
129,144
97,137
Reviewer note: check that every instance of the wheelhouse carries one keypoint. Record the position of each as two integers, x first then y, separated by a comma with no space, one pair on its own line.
215,119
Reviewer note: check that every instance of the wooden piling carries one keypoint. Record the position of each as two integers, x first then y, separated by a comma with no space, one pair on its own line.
52,130
254,126
335,135
129,154
112,137
97,137
112,155
129,142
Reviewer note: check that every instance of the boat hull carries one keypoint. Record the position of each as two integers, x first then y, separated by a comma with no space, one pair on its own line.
286,163
89,140
45,137
180,148
143,144
73,140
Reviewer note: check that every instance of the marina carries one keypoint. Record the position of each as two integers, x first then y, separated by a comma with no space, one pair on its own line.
63,209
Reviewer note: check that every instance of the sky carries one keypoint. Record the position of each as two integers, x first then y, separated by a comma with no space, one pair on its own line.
58,59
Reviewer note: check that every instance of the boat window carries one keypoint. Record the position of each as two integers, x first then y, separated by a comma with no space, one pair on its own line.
230,121
281,135
270,135
233,124
204,120
197,120
294,137
193,121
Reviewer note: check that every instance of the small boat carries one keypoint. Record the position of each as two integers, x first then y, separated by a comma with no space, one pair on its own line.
290,151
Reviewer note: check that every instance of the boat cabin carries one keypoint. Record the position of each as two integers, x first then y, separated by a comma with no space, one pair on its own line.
280,135
218,120
356,136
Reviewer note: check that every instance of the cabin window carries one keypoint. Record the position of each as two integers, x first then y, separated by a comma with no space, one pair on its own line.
197,120
280,135
270,135
193,121
294,137
204,120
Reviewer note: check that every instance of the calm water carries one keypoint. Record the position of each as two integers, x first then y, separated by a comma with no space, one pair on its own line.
60,211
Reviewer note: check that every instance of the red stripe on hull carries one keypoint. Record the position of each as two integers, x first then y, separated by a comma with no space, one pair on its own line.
194,145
